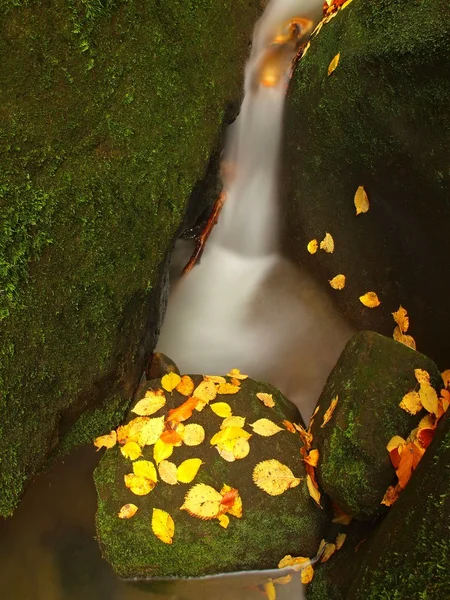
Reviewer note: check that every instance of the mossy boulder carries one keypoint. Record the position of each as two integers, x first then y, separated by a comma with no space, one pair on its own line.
370,379
380,120
111,111
271,526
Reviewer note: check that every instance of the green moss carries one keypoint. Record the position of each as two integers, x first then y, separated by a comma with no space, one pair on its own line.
112,109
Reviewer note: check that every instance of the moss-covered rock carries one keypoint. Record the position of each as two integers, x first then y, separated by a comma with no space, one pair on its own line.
380,120
110,113
370,379
271,526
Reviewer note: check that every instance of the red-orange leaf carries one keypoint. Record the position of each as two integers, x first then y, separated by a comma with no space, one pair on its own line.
182,412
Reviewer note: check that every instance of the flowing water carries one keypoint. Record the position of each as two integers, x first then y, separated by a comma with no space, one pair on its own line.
244,306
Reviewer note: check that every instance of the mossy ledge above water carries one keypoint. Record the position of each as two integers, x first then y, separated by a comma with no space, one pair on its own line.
110,113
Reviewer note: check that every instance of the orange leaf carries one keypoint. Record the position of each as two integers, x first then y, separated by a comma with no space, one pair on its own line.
312,458
391,495
402,319
329,412
227,388
411,402
170,436
313,491
182,412
408,457
289,426
229,498
186,386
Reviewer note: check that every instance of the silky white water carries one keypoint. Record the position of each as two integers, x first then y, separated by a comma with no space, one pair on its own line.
245,305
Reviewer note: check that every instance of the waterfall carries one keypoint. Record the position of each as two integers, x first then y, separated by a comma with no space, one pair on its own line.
245,305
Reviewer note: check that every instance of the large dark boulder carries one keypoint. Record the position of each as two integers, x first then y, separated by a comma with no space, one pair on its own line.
110,111
380,120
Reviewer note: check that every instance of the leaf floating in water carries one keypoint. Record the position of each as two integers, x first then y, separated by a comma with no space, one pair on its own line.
127,511
361,200
186,386
150,403
266,399
163,526
273,477
338,282
193,434
106,441
131,450
370,299
221,409
237,374
333,64
188,469
327,244
202,501
170,381
329,412
265,427
168,472
312,246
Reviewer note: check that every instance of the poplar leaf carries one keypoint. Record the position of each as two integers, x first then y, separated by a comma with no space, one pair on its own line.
106,441
237,374
161,451
411,402
329,412
168,472
151,431
361,200
313,491
338,282
202,501
312,246
170,381
273,477
227,388
193,434
370,300
163,526
127,511
188,469
205,391
186,386
333,64
327,244
222,409
151,403
233,422
145,468
131,450
266,399
138,485
265,427
224,521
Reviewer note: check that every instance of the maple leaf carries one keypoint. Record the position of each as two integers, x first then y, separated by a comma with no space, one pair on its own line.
168,472
266,399
313,490
361,200
402,319
273,477
221,409
338,282
131,450
106,441
329,412
188,469
411,402
334,63
153,401
237,374
265,427
327,244
234,421
186,386
312,246
370,300
193,434
227,388
138,485
161,451
127,511
184,411
163,526
202,501
170,381
145,468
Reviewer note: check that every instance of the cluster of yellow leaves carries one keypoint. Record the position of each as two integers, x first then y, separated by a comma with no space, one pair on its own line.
405,455
204,502
402,325
298,563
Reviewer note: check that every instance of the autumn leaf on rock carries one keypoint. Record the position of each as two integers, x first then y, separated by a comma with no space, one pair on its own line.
241,448
289,426
127,511
163,526
215,378
446,378
182,412
131,450
312,458
235,381
327,244
221,409
422,376
202,501
329,412
234,421
293,561
407,340
426,430
428,398
170,381
334,63
307,574
411,402
151,403
312,246
170,436
265,427
231,501
237,374
340,539
150,432
370,300
168,472
206,391
132,430
402,319
106,441
224,520
193,434
313,491
145,468
266,399
227,388
228,434
161,451
273,477
188,469
338,282
138,485
409,458
305,436
361,200
186,386
391,495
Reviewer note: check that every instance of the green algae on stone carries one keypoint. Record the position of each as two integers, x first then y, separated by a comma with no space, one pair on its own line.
271,526
370,379
111,111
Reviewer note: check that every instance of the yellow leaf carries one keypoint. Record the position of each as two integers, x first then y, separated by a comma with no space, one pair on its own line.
132,430
395,442
150,403
411,402
338,282
127,511
305,50
106,441
408,340
273,477
327,243
269,590
161,451
241,448
266,399
170,381
150,432
205,391
329,412
138,485
402,319
188,469
202,501
215,378
330,549
313,491
265,427
370,300
163,526
237,374
131,450
446,377
222,409
318,28
361,200
312,246
287,578
233,422
422,376
145,468
168,472
307,574
229,434
186,386
292,561
224,521
429,398
334,63
340,539
225,453
227,388
312,458
236,508
346,4
193,434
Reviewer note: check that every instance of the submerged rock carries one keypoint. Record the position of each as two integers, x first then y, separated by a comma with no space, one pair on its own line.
270,527
380,121
370,379
111,111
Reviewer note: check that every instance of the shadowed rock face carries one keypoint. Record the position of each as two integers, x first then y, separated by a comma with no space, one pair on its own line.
380,120
109,116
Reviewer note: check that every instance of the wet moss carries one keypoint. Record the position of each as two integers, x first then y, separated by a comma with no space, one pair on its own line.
111,110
